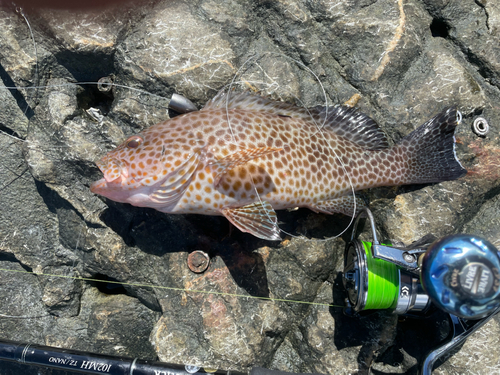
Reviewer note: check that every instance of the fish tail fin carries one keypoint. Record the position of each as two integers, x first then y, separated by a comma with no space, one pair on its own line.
429,151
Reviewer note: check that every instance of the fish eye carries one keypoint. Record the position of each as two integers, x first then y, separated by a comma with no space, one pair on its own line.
134,142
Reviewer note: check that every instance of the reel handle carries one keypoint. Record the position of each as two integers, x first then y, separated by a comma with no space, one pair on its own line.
461,275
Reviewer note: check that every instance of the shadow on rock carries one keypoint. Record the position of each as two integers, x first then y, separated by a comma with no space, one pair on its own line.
373,331
247,269
157,233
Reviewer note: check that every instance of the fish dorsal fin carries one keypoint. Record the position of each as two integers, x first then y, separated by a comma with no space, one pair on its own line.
349,123
249,101
342,120
258,218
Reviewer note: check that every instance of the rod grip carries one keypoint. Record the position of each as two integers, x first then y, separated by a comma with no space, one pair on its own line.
91,363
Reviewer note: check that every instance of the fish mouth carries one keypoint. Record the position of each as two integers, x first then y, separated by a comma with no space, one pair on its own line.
114,172
99,186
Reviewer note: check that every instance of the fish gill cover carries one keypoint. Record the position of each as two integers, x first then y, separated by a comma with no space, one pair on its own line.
382,57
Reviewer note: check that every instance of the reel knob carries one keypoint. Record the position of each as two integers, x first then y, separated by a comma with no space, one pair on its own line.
461,275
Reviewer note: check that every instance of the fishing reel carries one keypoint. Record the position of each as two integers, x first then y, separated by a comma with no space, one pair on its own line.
459,274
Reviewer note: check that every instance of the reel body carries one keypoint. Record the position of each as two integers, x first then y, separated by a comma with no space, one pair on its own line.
459,274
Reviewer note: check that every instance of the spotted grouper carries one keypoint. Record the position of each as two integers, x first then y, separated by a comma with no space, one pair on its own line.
243,156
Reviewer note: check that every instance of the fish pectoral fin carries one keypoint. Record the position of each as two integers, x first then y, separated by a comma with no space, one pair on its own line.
176,183
224,165
347,205
257,218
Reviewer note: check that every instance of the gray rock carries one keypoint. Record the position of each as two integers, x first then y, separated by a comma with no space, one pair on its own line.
81,272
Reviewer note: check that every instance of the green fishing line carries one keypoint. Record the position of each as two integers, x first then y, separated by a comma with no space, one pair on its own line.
383,282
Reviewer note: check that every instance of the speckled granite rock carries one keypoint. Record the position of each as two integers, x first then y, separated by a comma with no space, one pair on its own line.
398,61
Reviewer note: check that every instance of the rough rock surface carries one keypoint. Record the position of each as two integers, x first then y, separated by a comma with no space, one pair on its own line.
398,61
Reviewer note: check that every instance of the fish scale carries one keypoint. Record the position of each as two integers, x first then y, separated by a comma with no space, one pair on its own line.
244,156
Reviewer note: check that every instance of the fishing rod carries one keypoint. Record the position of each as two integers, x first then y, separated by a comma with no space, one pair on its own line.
458,274
91,363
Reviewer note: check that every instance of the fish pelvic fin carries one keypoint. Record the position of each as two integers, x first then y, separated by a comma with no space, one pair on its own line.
429,151
258,218
224,165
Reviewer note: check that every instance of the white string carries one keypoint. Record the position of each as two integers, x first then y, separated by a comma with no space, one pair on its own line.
320,127
230,87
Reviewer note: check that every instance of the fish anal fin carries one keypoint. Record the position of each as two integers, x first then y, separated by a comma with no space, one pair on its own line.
224,165
258,219
347,205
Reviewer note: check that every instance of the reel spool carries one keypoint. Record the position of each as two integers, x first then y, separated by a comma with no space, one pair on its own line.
375,284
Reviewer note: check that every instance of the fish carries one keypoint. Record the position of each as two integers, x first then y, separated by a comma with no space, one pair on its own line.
243,156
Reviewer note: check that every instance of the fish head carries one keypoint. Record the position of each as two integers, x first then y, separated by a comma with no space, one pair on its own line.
131,169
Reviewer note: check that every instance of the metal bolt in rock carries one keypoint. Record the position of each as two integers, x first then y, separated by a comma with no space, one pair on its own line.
480,127
105,84
198,261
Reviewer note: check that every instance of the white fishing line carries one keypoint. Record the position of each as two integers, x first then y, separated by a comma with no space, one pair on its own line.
320,130
82,235
251,61
36,78
73,84
229,88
